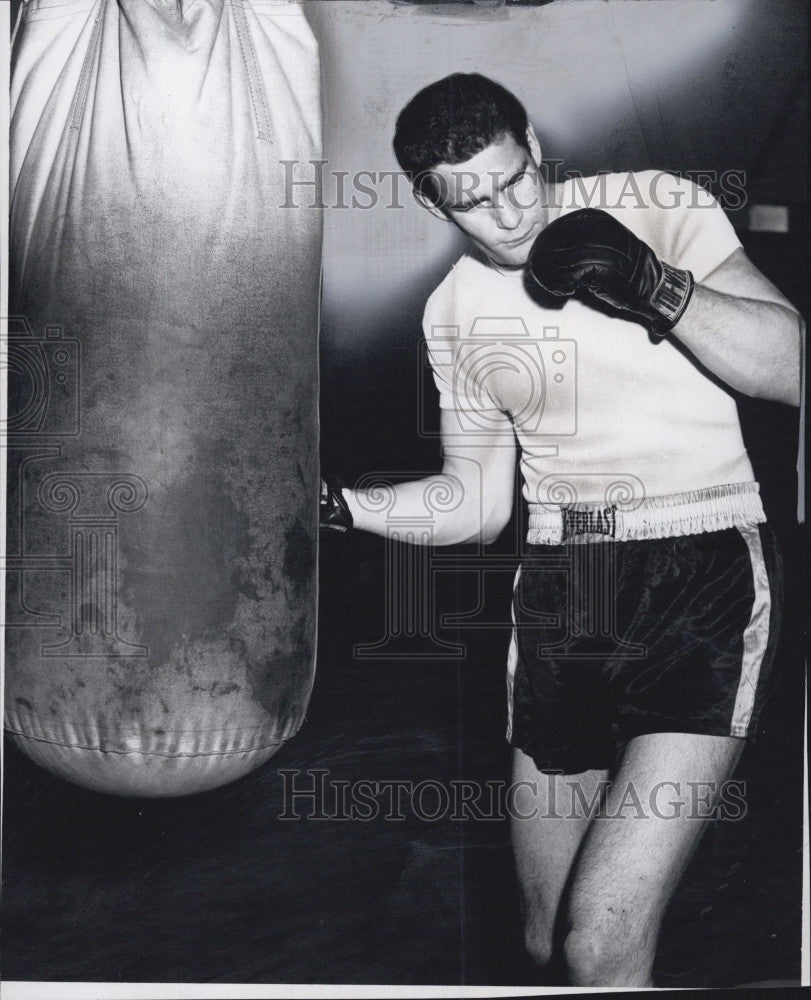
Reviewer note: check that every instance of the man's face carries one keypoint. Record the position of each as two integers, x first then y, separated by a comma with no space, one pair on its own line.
497,198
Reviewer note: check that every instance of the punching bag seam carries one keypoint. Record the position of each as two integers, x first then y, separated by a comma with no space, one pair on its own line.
246,47
77,111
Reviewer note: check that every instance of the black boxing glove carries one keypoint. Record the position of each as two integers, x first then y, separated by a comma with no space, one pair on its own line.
588,254
333,512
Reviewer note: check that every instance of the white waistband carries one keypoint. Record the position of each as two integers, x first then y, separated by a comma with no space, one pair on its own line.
692,513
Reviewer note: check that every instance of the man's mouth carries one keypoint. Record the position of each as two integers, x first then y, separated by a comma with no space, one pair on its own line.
519,241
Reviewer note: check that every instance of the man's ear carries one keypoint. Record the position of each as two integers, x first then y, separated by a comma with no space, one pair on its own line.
433,208
534,145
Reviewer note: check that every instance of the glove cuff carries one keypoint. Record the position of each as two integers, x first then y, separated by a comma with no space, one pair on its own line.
333,511
670,298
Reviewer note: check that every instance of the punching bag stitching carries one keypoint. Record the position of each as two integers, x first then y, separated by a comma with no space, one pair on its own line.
246,47
147,753
83,89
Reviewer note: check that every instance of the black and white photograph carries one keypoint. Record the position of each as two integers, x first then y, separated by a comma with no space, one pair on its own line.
403,484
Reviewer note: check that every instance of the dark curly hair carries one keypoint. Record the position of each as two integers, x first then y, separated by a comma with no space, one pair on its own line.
452,120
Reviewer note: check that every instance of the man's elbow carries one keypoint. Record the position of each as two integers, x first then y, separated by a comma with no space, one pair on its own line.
791,394
489,535
790,387
787,387
781,382
786,391
494,523
483,528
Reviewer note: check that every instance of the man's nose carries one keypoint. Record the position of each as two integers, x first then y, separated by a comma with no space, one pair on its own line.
508,216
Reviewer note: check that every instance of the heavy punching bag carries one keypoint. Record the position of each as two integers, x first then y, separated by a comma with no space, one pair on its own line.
163,380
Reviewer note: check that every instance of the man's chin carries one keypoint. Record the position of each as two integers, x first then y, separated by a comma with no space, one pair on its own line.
515,260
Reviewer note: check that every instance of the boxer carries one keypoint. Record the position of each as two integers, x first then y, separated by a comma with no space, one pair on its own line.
657,313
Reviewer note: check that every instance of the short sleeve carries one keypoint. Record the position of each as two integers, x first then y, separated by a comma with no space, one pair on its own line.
455,378
698,234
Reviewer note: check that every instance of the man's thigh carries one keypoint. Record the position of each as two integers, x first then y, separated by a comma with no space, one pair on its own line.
637,849
548,825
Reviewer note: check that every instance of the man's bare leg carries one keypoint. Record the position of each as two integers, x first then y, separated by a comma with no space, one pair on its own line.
629,866
546,838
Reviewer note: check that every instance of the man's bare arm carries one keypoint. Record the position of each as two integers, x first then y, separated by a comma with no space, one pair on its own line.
469,500
735,322
740,327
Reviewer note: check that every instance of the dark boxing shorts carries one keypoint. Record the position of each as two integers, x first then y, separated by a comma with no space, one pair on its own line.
616,638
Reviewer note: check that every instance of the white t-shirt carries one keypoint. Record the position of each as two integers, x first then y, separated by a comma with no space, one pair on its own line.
601,412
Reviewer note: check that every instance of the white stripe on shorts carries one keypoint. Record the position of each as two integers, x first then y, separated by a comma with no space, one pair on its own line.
755,637
512,661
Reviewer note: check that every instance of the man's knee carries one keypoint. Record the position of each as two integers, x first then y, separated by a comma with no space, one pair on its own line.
606,955
539,945
538,932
